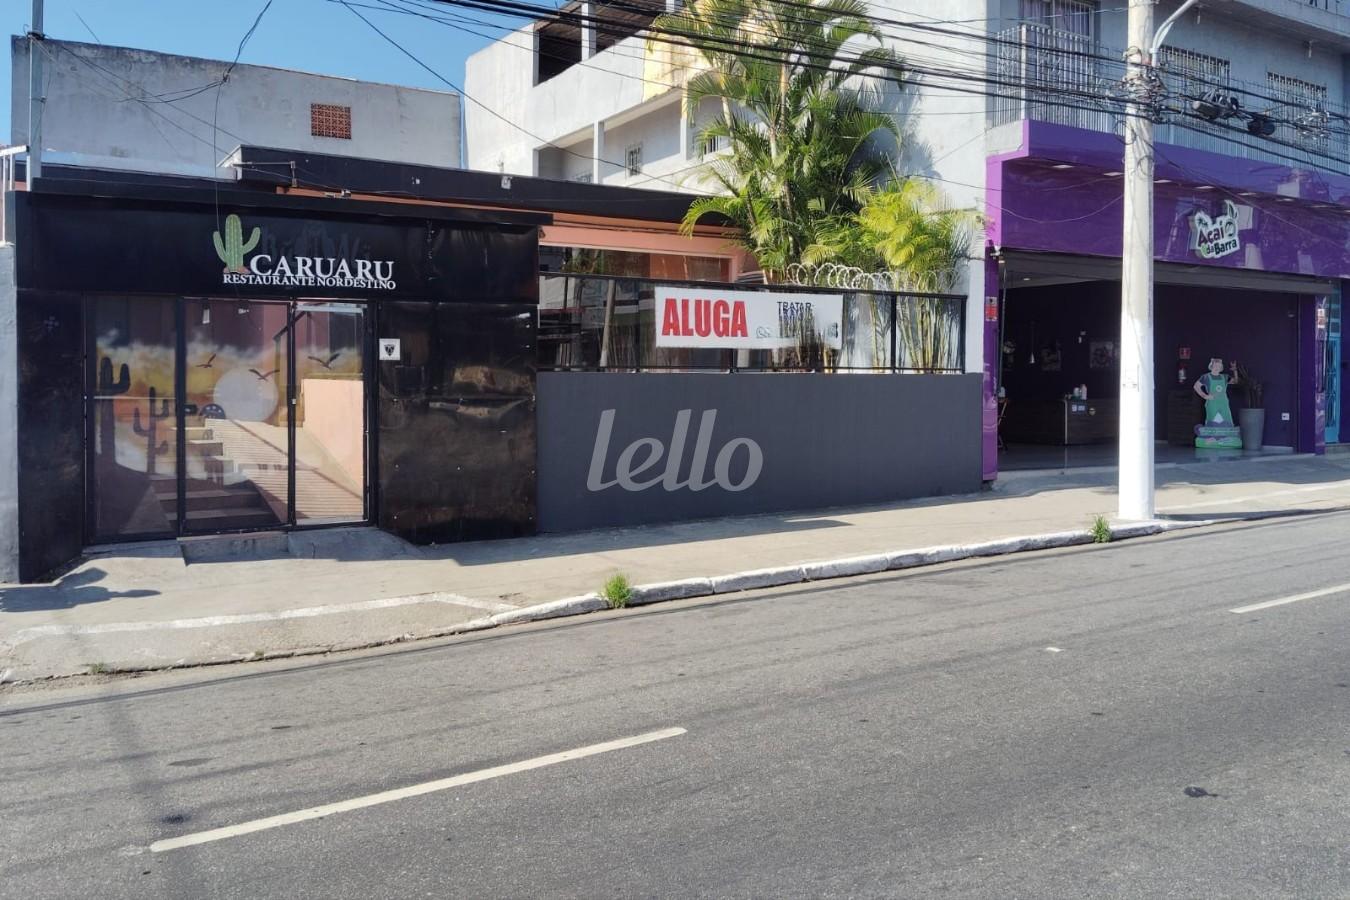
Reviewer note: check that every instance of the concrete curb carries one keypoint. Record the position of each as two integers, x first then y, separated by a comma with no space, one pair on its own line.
568,606
690,588
670,590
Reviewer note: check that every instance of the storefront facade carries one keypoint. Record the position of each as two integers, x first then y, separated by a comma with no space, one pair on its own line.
1250,259
192,368
194,363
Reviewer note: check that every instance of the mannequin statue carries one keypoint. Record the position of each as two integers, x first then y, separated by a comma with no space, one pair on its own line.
1218,430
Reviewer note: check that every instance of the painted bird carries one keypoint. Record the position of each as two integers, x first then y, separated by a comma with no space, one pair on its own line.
327,363
261,376
208,364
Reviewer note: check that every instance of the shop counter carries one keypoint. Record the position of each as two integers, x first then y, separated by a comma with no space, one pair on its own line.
1065,421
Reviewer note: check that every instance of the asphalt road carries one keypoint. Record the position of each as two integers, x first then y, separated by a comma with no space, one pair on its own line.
1093,722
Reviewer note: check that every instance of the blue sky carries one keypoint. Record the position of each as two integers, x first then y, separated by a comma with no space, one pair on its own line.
312,35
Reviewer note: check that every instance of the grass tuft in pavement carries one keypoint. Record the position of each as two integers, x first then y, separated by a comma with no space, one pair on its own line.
617,591
1101,530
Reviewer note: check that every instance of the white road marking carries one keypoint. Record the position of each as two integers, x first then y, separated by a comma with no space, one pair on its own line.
37,631
1311,595
1330,486
1054,650
416,790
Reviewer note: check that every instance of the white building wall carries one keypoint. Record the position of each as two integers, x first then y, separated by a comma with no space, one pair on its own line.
9,420
501,76
528,116
658,134
102,110
944,129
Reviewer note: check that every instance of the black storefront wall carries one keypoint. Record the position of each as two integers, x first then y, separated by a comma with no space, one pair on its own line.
457,421
458,288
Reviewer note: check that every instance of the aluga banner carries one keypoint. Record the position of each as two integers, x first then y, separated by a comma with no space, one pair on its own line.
707,317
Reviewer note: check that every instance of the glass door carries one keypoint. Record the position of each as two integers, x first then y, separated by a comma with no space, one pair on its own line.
234,417
211,416
329,424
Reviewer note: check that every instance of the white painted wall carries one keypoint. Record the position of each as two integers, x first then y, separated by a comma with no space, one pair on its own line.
89,119
611,83
944,129
9,420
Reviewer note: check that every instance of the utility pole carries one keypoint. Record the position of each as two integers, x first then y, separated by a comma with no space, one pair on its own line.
35,98
1136,486
1136,298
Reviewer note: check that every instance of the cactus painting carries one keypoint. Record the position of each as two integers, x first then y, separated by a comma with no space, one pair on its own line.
232,248
106,386
106,389
154,448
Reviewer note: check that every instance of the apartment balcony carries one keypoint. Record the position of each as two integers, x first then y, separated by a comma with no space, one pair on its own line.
1045,75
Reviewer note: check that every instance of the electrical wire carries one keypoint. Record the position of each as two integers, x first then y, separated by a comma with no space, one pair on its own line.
961,77
614,50
437,75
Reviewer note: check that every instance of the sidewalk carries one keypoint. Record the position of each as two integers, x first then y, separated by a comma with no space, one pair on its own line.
142,606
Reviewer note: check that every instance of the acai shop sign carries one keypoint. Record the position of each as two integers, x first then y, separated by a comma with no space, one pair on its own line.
1217,237
243,266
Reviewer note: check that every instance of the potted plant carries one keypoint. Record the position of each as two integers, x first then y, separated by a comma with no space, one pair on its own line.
1252,417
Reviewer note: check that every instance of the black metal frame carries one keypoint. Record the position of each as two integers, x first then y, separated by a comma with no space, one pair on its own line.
894,296
179,529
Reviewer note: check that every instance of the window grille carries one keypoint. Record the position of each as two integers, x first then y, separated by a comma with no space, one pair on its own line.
1074,16
1213,70
1194,76
1301,110
633,159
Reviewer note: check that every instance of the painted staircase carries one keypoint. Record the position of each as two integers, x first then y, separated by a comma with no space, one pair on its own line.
220,501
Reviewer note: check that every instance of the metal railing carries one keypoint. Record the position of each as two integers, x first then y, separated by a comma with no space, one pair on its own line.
1068,79
8,158
591,323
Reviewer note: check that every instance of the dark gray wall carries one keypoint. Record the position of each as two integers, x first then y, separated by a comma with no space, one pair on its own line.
820,440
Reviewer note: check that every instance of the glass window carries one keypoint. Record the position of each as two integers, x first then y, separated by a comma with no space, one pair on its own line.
134,475
1072,16
587,323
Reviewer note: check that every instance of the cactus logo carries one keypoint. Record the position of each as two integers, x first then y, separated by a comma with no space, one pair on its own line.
232,249
268,270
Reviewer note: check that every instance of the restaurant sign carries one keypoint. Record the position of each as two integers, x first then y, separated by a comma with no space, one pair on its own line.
708,317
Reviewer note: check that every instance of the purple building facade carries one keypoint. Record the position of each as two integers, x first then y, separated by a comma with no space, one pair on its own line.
1249,256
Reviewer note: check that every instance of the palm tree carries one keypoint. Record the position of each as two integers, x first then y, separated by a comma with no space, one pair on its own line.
802,127
903,229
